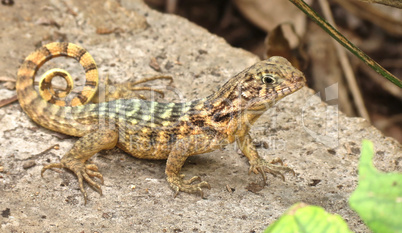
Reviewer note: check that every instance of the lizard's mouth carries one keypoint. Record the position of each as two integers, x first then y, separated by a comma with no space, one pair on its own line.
286,88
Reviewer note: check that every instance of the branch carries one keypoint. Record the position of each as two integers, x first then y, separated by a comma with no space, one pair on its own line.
393,3
346,43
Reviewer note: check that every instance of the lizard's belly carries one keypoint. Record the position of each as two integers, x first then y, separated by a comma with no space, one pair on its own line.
143,149
159,144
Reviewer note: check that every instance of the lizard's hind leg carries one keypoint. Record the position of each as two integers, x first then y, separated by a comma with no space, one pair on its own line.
83,149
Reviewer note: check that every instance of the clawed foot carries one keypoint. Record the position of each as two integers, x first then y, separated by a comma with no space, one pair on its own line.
261,166
178,184
82,171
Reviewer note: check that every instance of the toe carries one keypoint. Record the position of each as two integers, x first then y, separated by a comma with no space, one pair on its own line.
91,167
92,183
49,166
96,174
179,185
193,179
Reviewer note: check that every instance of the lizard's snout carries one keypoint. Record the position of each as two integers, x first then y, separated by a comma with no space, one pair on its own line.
300,78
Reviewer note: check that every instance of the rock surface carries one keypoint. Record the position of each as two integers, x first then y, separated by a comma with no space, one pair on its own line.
320,143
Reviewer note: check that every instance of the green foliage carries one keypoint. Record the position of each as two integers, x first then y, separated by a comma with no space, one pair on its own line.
303,218
378,197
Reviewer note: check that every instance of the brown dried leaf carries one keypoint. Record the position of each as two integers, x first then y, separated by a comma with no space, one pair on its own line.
375,14
277,45
267,14
154,64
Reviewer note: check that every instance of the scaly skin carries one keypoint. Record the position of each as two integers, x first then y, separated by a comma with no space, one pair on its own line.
153,130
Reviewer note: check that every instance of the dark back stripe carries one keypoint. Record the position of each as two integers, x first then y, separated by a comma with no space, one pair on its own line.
178,108
152,138
194,103
60,112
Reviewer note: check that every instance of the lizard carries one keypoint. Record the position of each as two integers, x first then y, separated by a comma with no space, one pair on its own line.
156,130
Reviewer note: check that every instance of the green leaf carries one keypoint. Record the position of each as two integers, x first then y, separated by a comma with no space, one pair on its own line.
303,218
378,197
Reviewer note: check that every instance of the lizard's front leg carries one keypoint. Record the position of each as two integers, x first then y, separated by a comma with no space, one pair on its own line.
257,164
175,161
82,150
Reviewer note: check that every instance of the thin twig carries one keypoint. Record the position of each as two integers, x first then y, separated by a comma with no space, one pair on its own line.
371,13
7,79
392,3
347,68
389,87
345,42
8,101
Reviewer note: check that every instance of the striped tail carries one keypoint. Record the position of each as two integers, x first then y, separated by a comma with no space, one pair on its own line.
48,111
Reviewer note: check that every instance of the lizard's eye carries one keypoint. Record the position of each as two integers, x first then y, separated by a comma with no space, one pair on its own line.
268,79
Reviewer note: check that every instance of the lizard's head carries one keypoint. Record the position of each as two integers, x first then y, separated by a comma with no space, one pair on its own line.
256,88
269,81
